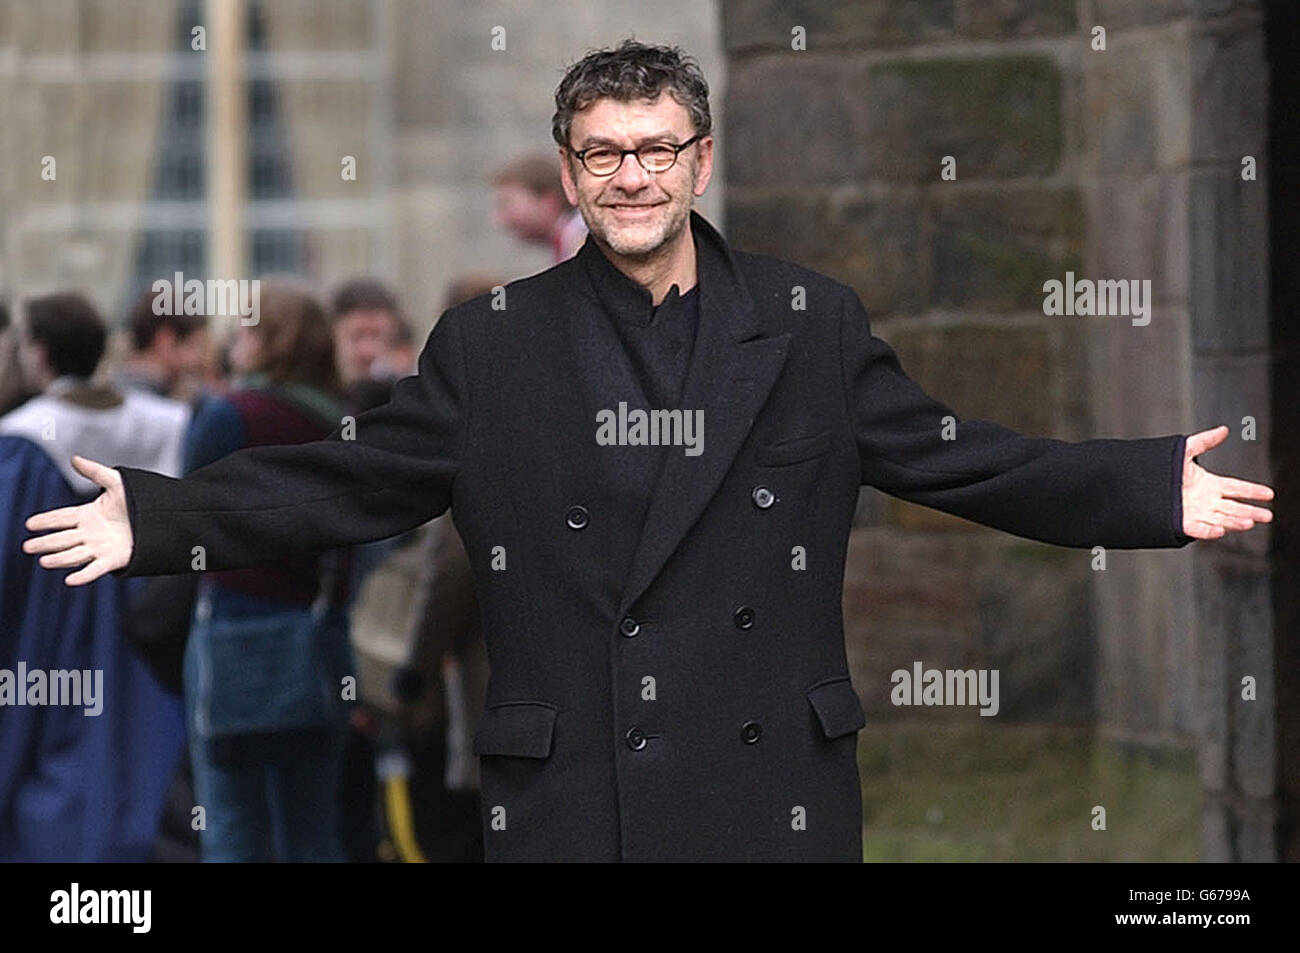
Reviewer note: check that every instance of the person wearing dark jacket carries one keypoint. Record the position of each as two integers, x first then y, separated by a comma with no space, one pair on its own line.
262,670
660,586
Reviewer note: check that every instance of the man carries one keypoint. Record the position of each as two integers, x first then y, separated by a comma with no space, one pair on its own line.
13,389
531,202
167,351
663,619
63,343
368,327
84,781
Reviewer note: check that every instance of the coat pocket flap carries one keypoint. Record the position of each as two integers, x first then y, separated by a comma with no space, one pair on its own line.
793,451
516,729
837,707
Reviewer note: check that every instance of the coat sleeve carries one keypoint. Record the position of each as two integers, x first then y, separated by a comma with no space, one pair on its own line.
391,471
1122,494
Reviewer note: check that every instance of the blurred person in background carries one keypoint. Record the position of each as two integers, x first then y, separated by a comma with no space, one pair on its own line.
366,320
167,357
267,652
374,346
422,665
531,204
63,344
168,351
13,388
82,781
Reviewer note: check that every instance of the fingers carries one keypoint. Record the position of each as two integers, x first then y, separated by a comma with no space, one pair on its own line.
88,573
53,542
91,470
1198,443
69,557
1244,511
1243,490
63,518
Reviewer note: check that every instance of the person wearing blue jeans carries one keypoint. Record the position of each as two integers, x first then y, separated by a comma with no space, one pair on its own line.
268,648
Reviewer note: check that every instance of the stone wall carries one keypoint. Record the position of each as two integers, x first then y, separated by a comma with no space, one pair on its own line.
834,157
1123,162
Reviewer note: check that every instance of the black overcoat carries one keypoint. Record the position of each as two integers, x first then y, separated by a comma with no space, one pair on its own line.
668,673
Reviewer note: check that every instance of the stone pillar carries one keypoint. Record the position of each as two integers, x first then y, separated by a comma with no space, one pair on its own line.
1175,103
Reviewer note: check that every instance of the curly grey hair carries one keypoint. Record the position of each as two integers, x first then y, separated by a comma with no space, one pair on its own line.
631,71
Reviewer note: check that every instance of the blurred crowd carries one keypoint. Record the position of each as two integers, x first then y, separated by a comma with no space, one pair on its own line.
316,709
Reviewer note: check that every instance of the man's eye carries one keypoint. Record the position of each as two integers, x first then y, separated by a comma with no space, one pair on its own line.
600,155
657,153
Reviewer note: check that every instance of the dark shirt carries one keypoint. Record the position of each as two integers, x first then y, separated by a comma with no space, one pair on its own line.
659,345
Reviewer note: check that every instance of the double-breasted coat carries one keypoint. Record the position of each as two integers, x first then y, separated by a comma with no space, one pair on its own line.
664,630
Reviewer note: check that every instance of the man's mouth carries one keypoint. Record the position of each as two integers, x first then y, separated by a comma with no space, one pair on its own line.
633,209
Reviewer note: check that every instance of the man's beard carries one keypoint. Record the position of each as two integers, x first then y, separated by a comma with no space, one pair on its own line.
639,239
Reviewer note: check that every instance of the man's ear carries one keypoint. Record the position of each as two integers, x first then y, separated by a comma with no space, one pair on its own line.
566,178
703,165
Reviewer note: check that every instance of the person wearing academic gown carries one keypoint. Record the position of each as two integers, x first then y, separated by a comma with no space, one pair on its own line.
664,630
77,787
73,787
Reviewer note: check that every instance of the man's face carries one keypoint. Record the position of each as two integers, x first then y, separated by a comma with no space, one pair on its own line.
360,337
31,358
192,354
528,216
635,212
180,357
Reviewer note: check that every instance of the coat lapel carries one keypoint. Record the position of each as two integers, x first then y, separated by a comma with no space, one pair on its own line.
732,370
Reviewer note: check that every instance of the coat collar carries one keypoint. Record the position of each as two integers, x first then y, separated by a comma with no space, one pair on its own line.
732,370
622,297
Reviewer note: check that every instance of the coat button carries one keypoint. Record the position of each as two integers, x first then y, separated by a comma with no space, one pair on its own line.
762,497
744,617
629,626
576,517
750,732
635,739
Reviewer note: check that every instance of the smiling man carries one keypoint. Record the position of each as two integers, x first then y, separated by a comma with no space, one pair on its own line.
668,673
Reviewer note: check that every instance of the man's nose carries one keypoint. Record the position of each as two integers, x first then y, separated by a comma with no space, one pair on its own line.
630,177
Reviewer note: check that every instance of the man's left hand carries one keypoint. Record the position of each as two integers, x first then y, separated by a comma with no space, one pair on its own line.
1211,507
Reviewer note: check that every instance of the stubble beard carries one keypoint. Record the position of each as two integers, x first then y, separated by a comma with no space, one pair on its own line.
640,240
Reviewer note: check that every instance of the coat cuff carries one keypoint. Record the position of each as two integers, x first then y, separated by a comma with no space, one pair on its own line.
1176,491
153,550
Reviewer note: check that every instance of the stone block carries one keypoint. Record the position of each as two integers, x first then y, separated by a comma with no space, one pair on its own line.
767,24
1229,75
791,120
993,250
998,117
868,239
1002,374
1137,99
1005,19
1138,228
1229,286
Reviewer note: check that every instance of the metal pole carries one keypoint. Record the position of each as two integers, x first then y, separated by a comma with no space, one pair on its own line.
227,131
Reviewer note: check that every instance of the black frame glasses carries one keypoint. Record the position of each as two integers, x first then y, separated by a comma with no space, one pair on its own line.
677,148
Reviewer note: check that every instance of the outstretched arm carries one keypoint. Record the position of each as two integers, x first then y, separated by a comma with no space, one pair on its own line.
1123,494
389,472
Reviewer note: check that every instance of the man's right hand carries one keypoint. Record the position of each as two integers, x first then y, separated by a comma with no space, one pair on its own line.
96,535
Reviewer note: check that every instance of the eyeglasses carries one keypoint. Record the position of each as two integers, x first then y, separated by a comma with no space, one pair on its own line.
654,156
